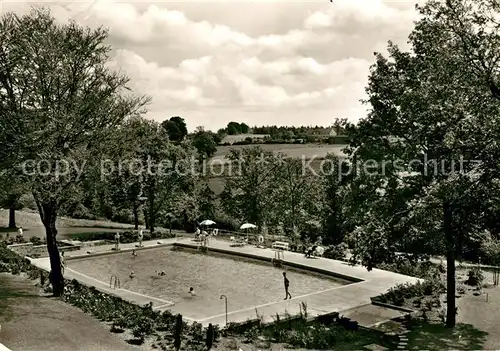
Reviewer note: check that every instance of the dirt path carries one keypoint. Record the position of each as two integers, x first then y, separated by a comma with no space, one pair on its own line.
33,322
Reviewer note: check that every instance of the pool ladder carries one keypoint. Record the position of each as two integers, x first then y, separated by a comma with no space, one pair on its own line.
278,258
116,281
203,244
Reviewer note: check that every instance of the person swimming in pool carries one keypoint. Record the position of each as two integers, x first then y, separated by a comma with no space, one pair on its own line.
191,291
132,275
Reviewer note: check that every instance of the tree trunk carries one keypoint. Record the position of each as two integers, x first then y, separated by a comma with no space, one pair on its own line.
146,218
135,210
151,206
12,215
450,265
187,227
48,214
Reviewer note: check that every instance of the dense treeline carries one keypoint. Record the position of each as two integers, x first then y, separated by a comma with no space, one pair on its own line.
285,134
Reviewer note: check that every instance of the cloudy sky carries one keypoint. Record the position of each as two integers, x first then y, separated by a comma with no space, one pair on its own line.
269,62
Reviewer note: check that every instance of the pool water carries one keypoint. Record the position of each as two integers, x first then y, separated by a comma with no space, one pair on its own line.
246,283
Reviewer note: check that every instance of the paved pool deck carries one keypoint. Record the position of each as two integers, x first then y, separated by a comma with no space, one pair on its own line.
367,284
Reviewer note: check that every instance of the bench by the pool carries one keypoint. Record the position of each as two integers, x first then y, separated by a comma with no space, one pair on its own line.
281,245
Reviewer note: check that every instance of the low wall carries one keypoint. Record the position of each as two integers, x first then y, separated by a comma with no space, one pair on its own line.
37,251
26,249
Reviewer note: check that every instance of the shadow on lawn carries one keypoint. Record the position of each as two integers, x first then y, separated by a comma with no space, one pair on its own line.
438,337
9,297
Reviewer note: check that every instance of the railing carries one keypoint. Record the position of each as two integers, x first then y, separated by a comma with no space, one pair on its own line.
116,281
203,244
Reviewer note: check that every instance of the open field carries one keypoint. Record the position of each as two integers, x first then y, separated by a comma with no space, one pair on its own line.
306,151
312,156
240,137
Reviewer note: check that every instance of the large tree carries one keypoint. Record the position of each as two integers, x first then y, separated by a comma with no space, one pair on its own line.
176,128
251,180
205,143
59,102
427,148
297,194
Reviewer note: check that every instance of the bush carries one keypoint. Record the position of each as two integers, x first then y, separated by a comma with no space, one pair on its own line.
11,262
36,241
251,334
312,335
402,292
413,268
336,252
19,239
475,277
145,326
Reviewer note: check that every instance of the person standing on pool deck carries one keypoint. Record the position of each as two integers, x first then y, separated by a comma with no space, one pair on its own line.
63,263
141,236
117,240
287,285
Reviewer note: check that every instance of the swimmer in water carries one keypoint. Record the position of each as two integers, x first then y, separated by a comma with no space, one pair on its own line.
191,291
134,254
132,275
162,273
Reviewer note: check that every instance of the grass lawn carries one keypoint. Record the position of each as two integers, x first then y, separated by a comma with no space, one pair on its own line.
7,294
365,338
438,337
32,322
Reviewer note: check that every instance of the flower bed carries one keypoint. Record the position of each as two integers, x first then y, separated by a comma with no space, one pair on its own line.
321,333
142,321
403,293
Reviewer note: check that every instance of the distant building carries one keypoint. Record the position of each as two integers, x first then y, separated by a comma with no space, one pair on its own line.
333,132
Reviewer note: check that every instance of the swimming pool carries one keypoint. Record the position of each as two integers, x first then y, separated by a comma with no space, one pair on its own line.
245,282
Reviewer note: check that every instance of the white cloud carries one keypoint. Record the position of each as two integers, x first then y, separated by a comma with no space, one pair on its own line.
306,69
318,20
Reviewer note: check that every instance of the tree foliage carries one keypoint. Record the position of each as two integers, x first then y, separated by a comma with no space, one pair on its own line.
430,140
176,128
59,102
205,143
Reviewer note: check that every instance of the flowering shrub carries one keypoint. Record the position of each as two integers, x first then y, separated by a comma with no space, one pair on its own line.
401,292
11,262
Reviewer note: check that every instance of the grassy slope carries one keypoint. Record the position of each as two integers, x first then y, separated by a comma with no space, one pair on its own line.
31,219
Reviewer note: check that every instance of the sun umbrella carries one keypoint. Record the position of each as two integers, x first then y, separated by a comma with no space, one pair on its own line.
248,226
207,222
